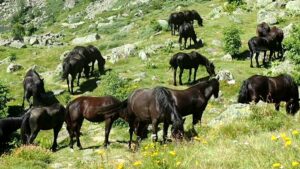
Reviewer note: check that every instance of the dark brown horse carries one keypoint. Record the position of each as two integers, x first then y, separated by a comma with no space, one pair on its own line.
74,64
90,108
190,61
186,31
42,118
278,34
263,29
175,20
271,90
191,15
95,55
33,86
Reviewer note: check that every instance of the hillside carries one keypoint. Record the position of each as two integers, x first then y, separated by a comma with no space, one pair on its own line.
134,38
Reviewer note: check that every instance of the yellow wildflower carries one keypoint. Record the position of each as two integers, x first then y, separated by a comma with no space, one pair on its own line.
288,143
154,154
137,163
276,165
120,166
101,152
295,163
295,132
283,135
178,163
274,138
173,153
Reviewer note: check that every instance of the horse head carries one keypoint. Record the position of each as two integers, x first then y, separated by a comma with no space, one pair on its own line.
210,68
177,129
213,87
292,106
65,70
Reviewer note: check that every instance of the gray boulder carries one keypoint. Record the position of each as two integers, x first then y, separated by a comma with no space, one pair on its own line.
288,29
226,75
69,4
163,23
127,28
266,16
216,12
293,6
13,67
216,42
86,39
143,55
17,44
122,52
227,57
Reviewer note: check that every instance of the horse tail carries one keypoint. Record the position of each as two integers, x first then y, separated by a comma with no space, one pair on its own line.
243,95
165,101
112,109
25,127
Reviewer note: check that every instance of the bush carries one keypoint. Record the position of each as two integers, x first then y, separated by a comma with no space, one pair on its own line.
18,31
30,29
3,99
232,40
292,47
236,2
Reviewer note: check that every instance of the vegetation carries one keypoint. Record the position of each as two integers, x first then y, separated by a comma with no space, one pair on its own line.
232,40
3,99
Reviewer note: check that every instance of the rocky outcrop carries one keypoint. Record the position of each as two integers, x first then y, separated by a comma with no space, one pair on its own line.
122,52
226,75
17,44
48,39
266,16
293,6
98,7
13,67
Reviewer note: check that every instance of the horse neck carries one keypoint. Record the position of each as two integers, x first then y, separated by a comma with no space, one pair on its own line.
206,88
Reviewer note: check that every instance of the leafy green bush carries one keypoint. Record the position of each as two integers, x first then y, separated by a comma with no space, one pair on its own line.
232,40
3,99
30,29
18,31
292,46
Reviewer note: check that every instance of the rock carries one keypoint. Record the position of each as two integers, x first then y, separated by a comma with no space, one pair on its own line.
278,68
33,40
163,23
87,39
127,28
69,4
97,7
72,25
227,57
216,42
293,6
288,29
263,3
122,52
5,42
234,111
139,2
216,12
100,25
13,67
226,75
139,13
143,55
63,55
235,19
58,92
17,44
266,16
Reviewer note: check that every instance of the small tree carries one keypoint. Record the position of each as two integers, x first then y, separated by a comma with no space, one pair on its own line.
18,31
232,40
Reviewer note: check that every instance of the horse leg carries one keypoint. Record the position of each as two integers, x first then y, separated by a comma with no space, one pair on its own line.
79,76
165,132
108,124
71,134
55,132
180,76
190,72
277,105
72,84
34,133
271,55
251,56
175,70
131,130
154,130
195,74
78,133
264,60
68,83
185,39
256,59
92,72
180,41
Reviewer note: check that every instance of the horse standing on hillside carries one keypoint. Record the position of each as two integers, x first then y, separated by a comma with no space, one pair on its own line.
33,86
42,118
192,15
7,127
186,30
94,54
73,64
271,90
263,29
194,99
190,61
279,36
175,20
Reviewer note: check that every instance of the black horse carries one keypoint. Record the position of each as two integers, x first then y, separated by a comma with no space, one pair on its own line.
192,15
95,55
74,64
261,44
263,29
190,61
42,118
175,20
7,127
271,90
33,85
186,30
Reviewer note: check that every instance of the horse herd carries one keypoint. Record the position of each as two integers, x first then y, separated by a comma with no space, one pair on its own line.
145,106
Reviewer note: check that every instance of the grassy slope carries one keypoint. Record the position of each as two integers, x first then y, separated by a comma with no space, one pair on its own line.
245,143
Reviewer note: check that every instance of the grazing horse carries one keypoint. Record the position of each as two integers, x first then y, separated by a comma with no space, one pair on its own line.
175,20
94,54
271,90
33,86
186,30
7,127
261,44
194,99
192,15
42,118
73,64
89,108
189,61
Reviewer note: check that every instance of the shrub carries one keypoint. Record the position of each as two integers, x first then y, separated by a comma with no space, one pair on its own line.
18,31
232,40
292,47
3,99
236,2
30,29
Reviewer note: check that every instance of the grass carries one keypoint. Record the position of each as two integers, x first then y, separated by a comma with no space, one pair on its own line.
244,143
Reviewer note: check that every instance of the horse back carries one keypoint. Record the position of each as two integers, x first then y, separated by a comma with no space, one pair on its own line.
283,88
